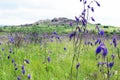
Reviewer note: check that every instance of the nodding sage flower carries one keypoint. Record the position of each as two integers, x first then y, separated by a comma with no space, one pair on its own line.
85,2
48,59
92,9
101,32
92,19
111,64
11,39
114,42
88,6
113,56
99,63
96,41
97,4
102,48
29,76
72,35
27,61
3,49
22,67
13,61
105,51
98,50
18,78
23,71
83,13
65,48
80,0
77,19
84,21
71,23
58,37
78,65
54,32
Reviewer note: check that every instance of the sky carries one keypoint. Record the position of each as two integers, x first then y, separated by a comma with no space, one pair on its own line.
16,12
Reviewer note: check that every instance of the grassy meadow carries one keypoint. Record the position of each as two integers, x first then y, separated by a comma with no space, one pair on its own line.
45,52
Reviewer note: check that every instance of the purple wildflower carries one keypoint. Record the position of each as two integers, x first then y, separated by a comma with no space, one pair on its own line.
84,22
97,3
96,41
55,33
111,64
27,61
48,59
58,37
64,48
23,71
99,63
71,23
101,32
11,39
3,49
98,50
92,19
105,51
18,78
13,61
85,2
29,76
22,67
80,0
72,35
92,9
100,41
88,6
114,42
78,65
77,19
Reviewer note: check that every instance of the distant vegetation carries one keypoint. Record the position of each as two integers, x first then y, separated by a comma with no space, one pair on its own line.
60,25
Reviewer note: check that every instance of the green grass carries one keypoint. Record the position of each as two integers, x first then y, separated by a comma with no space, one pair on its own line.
61,60
59,66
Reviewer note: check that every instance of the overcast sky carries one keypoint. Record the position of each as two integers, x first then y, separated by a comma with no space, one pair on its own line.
15,12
